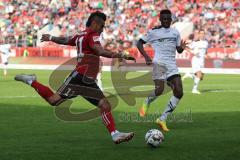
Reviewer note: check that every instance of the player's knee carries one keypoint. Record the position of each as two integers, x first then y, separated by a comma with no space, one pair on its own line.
178,94
54,100
104,105
158,91
53,103
202,75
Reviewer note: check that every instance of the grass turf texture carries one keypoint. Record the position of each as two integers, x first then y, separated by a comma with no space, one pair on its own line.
30,130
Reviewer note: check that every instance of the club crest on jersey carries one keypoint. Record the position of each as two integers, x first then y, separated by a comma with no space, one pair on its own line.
96,38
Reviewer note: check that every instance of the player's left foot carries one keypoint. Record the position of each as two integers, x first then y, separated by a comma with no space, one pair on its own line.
186,75
196,92
162,125
25,78
143,109
120,137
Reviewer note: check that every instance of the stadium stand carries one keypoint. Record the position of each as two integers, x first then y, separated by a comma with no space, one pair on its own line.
20,20
23,21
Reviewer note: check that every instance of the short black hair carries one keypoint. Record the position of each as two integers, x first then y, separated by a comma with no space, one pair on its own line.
94,15
165,11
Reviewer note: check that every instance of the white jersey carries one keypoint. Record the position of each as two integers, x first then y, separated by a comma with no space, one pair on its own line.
5,48
199,48
164,42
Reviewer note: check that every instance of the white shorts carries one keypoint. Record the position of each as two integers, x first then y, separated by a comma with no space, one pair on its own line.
163,71
4,58
197,64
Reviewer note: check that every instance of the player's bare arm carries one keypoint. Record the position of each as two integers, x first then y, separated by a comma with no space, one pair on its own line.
182,46
104,53
143,52
58,40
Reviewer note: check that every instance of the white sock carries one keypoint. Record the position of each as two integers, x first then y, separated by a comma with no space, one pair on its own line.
151,97
196,82
114,132
170,107
30,82
5,70
191,75
188,74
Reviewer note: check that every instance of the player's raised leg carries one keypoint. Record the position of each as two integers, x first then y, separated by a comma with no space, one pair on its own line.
146,104
176,85
159,88
187,75
197,78
44,91
5,68
158,76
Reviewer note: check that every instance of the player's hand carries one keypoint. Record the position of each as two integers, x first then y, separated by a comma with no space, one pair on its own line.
128,57
46,37
148,60
184,44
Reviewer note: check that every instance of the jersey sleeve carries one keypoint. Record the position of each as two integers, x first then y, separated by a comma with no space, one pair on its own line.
207,44
192,45
147,37
178,38
94,39
72,40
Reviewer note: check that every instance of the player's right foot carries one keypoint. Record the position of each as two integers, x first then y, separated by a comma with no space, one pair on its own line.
162,125
5,73
25,78
143,109
196,92
120,137
186,75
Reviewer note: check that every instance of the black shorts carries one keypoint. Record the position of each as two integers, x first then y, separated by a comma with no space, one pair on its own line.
173,77
79,85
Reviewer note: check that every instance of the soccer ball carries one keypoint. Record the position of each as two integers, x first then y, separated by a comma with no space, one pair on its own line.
154,138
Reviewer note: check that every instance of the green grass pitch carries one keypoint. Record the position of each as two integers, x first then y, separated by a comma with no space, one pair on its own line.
203,127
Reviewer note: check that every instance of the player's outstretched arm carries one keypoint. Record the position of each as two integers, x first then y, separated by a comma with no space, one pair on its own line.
143,52
104,53
182,46
58,40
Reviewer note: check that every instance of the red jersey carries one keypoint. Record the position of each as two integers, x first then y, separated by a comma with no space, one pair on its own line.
88,60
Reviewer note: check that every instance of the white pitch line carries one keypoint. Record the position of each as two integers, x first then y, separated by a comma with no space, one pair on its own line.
124,68
10,97
112,89
150,87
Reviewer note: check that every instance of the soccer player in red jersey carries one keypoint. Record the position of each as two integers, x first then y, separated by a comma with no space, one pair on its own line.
82,79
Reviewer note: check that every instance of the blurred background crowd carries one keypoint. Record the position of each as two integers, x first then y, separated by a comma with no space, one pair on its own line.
20,20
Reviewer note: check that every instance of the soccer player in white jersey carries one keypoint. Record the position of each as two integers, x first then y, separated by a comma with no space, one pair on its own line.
5,53
165,41
199,49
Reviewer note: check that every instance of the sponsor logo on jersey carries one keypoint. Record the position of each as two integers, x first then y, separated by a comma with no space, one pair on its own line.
167,40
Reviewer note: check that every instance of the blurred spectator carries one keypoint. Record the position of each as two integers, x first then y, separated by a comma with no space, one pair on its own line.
21,19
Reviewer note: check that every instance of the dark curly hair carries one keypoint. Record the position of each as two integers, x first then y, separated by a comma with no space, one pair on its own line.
95,16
